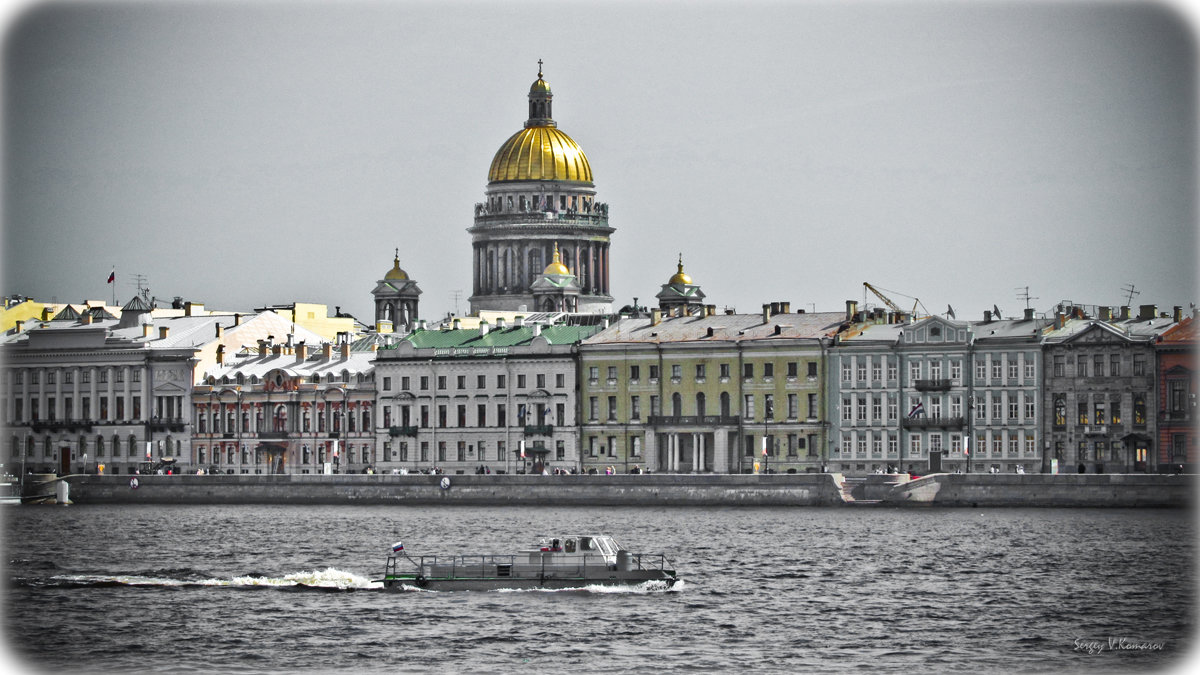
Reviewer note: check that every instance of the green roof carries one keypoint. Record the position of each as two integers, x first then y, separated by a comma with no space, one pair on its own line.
497,337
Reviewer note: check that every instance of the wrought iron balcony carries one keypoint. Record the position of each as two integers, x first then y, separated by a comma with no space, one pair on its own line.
693,420
58,425
932,385
165,424
933,422
402,431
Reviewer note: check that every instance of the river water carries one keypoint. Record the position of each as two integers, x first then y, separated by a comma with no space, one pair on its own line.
248,589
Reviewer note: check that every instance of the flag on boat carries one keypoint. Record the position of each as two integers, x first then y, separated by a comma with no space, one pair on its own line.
397,547
918,409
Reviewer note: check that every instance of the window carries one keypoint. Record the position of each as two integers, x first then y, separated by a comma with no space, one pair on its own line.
481,381
594,374
893,409
793,410
405,384
676,372
955,444
424,418
1059,367
860,371
1115,409
847,371
861,409
1139,365
914,445
1099,413
812,406
50,378
387,384
812,369
462,415
699,371
593,409
501,415
424,383
560,414
460,382
956,370
891,369
997,368
1081,366
768,370
769,406
935,370
935,408
654,372
520,381
501,381
654,407
748,370
792,370
956,406
914,372
1060,410
120,374
540,378
748,406
1013,368
981,369
612,372
612,408
1030,407
1099,366
847,409
1029,368
1177,395
635,407
1030,446
997,409
1114,365
634,373
1014,409
560,380
876,370
893,445
1139,409
1083,412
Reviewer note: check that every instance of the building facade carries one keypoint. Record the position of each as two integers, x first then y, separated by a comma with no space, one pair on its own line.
499,398
540,196
1177,387
728,393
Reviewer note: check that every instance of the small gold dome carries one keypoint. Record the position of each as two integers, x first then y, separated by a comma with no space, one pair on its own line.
396,274
540,86
680,277
540,153
556,267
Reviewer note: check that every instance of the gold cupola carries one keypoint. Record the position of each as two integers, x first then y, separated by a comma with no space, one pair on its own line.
556,266
396,274
540,151
680,277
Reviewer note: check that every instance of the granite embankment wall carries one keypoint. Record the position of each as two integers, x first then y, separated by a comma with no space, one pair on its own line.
1110,490
561,490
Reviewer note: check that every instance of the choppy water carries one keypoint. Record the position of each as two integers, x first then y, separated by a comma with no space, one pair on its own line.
288,588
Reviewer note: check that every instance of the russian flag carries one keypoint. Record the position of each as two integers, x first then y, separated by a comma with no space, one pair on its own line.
918,409
112,275
397,547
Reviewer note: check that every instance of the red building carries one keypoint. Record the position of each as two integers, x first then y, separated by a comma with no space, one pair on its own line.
1177,386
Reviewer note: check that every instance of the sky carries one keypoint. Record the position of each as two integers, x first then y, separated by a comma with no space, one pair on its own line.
249,153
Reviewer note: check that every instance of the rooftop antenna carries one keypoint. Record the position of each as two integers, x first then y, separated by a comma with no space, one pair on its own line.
1131,291
143,287
1023,294
456,294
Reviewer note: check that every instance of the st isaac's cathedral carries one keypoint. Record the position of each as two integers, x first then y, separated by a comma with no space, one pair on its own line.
540,241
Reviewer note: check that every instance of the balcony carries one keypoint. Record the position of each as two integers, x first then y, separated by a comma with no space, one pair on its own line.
59,425
539,430
402,431
932,385
273,434
933,422
693,420
165,424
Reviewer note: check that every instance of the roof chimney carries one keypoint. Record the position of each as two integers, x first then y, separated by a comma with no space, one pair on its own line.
146,328
774,308
327,350
778,329
262,348
383,326
1029,314
537,329
237,319
710,310
519,320
1124,312
193,308
766,313
220,354
163,332
483,328
500,325
20,325
277,350
987,316
1147,312
220,331
851,309
1177,313
785,308
655,316
344,350
421,324
301,351
1105,313
709,332
456,324
1059,320
85,318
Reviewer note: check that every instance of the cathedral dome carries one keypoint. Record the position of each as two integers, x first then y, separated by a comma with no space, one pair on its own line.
680,277
540,153
396,274
556,266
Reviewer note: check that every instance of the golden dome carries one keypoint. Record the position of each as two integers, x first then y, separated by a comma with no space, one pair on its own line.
556,267
396,274
540,86
540,153
680,277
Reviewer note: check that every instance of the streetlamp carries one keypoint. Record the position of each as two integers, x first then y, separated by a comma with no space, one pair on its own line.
970,429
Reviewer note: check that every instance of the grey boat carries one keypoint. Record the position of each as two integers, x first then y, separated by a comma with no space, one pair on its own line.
575,561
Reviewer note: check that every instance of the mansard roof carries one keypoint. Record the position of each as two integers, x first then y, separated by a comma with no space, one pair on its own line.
725,327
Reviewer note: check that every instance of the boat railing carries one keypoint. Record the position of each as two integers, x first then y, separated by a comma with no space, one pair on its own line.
490,566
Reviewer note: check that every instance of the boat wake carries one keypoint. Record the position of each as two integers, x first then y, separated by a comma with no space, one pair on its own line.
329,579
646,587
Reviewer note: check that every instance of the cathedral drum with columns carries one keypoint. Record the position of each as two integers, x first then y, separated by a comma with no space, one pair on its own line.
540,196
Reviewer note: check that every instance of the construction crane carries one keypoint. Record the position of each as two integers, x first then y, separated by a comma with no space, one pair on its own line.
893,306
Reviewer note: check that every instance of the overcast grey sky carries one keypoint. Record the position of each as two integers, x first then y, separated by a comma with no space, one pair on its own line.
247,153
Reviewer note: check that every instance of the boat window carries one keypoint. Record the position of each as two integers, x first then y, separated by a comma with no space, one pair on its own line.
605,547
570,546
585,544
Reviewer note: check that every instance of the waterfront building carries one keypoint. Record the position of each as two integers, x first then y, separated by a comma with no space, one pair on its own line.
396,300
1099,391
713,393
287,408
85,389
539,195
933,395
1177,387
460,399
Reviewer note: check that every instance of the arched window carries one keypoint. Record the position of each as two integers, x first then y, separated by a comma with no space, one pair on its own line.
133,449
280,417
116,445
676,405
700,411
99,446
725,404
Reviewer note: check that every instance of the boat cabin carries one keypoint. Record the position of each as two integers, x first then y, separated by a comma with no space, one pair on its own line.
575,547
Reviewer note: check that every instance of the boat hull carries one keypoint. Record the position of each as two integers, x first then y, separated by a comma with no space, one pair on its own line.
632,578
